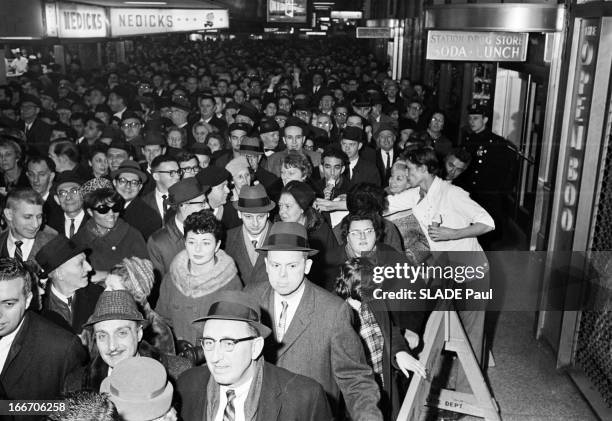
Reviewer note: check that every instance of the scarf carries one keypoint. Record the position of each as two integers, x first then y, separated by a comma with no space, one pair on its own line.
252,400
193,286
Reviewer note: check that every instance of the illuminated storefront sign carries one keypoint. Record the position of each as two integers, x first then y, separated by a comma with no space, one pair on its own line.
579,124
476,46
125,22
71,20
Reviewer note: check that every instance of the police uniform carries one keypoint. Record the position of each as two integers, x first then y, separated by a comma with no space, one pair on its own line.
491,174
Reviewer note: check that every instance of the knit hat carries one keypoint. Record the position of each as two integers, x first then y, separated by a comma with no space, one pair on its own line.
115,305
236,165
303,194
139,277
139,388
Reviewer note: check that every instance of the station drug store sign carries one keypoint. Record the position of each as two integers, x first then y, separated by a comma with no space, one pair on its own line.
476,46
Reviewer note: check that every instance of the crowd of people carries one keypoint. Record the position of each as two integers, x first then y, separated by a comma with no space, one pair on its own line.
191,234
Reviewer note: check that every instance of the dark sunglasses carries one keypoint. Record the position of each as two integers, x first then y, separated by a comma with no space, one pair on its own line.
104,209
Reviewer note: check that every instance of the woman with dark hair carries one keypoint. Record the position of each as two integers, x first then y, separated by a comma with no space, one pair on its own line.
433,136
108,236
295,205
386,350
215,141
199,270
11,167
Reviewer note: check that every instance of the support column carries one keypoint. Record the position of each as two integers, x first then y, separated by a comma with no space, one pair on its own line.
60,57
88,54
3,68
120,48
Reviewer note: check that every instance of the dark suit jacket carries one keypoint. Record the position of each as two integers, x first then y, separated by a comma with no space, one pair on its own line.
40,132
364,172
83,306
58,223
140,215
284,396
322,344
380,165
149,200
41,357
42,237
236,248
221,158
230,219
163,245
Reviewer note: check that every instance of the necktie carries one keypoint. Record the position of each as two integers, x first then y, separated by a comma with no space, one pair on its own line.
72,228
18,252
165,203
282,321
388,161
230,413
254,242
70,304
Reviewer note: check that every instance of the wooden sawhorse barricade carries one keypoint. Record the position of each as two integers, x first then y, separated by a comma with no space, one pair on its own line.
445,332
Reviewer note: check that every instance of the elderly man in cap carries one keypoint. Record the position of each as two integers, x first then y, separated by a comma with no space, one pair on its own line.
128,180
359,170
252,150
140,390
36,355
117,327
69,198
218,179
36,130
254,209
236,383
313,333
70,298
186,197
294,135
387,152
269,132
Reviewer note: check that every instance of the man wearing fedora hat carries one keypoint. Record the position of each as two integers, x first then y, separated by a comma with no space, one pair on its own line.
68,196
70,298
128,180
251,148
313,333
236,383
218,180
254,207
140,390
359,170
117,326
36,355
186,197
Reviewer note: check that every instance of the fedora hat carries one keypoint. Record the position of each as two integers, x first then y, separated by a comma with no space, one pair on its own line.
115,305
139,388
132,167
251,146
287,236
57,252
185,190
254,199
238,306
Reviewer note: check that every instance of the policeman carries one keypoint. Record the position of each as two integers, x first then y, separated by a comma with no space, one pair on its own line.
491,175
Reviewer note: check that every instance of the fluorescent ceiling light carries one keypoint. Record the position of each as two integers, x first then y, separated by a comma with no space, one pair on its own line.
145,2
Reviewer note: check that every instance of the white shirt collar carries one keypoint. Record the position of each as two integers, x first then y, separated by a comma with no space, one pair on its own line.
59,295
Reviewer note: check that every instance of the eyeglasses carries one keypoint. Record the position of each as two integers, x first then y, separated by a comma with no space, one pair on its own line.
359,233
227,344
172,173
104,209
132,183
190,170
65,193
130,125
342,114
